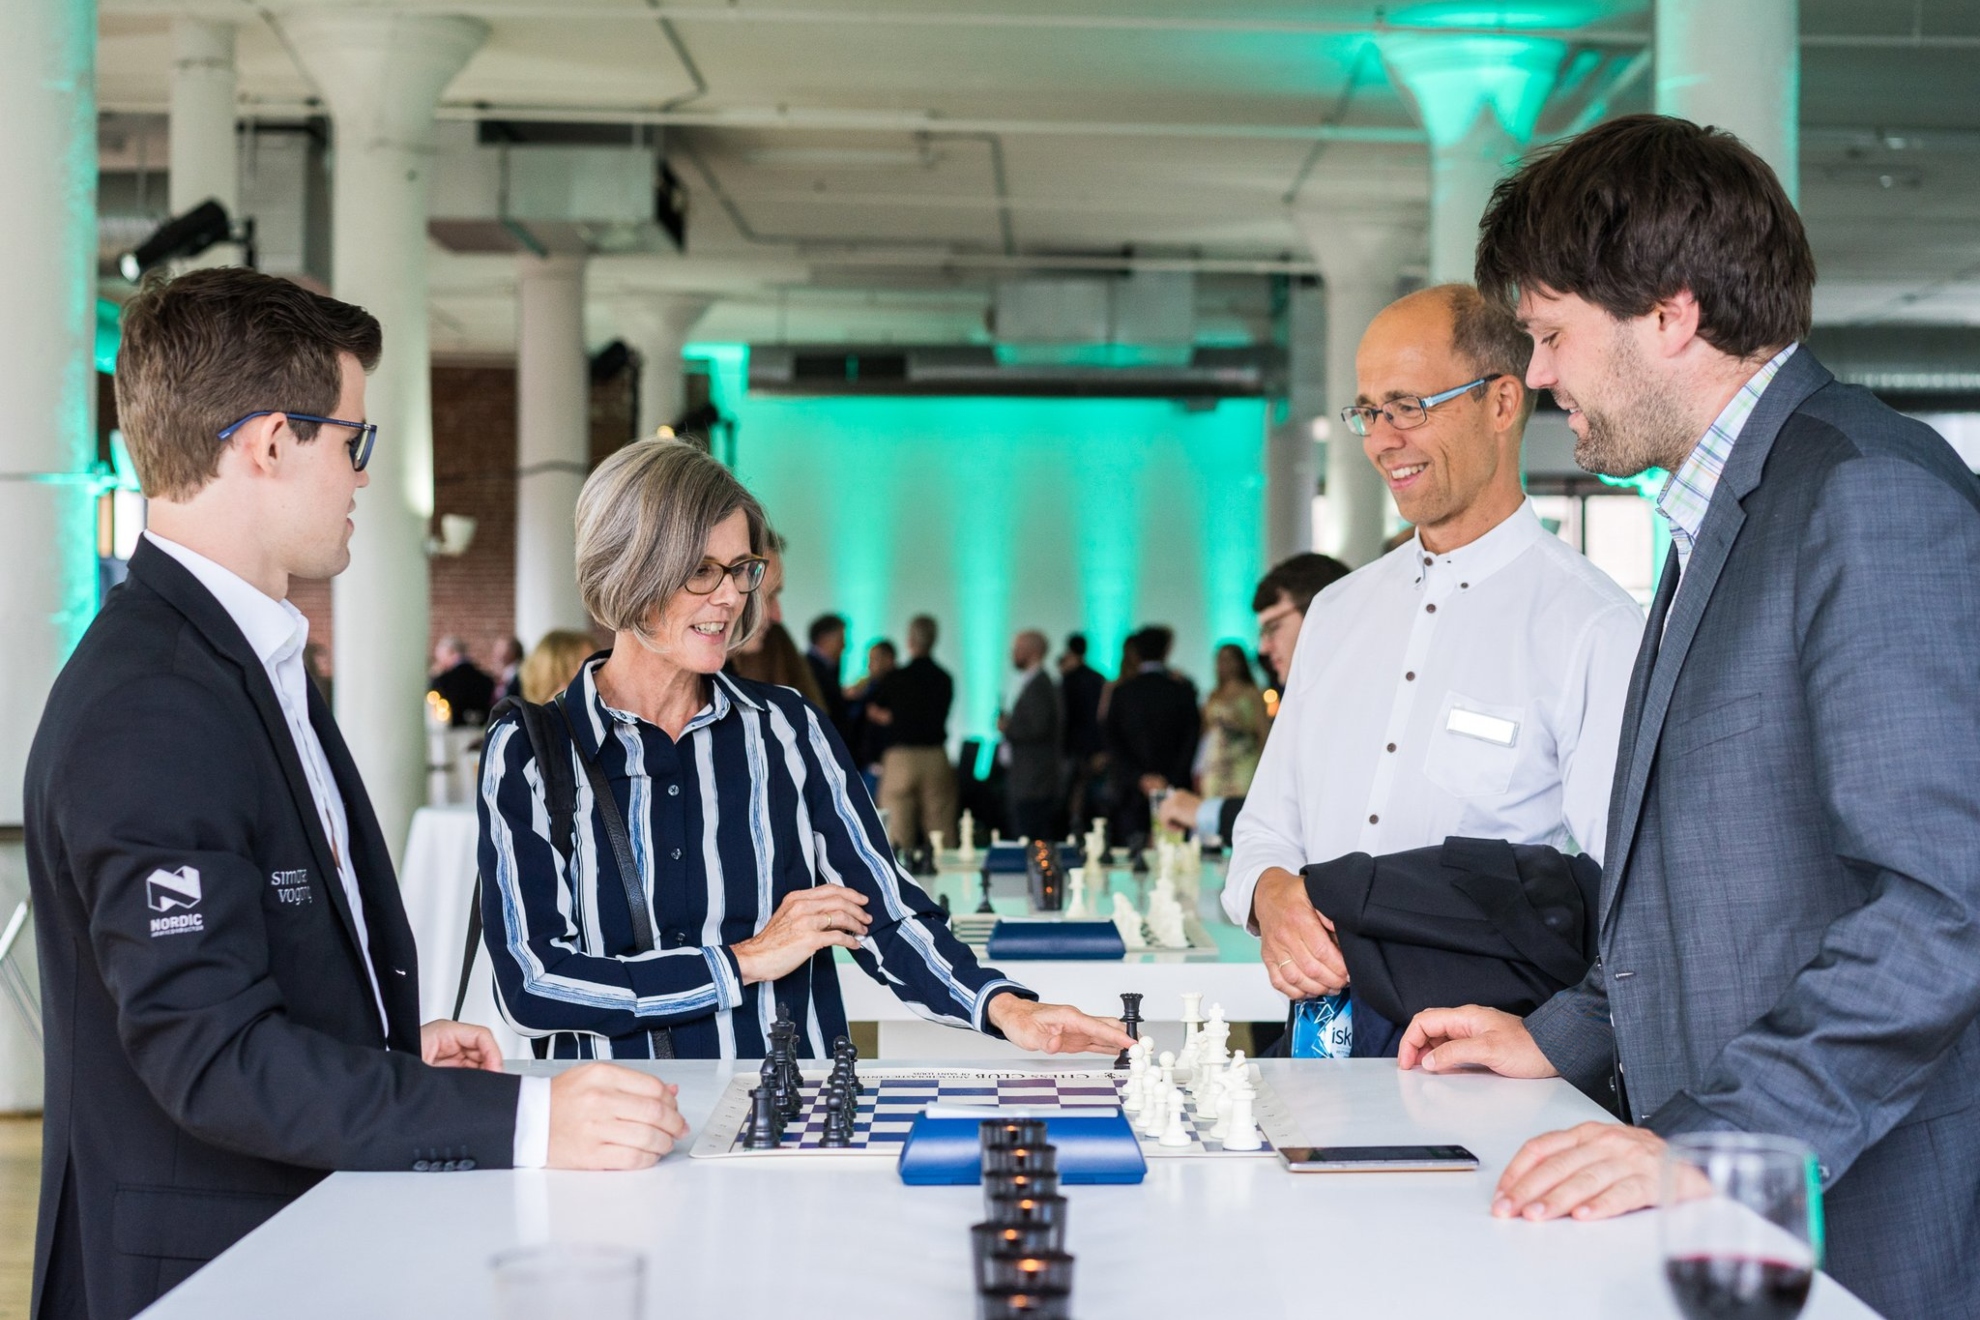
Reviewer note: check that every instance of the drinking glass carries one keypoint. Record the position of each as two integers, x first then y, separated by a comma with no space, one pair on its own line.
568,1281
1740,1221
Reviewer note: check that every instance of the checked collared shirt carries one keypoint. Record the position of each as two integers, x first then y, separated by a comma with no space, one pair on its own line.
1688,492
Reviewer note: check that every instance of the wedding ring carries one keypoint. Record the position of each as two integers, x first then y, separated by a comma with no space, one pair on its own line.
1284,961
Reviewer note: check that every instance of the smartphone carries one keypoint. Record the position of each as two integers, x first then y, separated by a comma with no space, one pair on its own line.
1376,1159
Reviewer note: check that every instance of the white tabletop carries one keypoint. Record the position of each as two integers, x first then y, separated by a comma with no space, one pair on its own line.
796,1239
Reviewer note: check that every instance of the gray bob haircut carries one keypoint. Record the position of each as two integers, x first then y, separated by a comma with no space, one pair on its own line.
643,521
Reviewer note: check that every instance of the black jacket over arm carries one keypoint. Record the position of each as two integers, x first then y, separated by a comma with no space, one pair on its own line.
213,1046
1472,921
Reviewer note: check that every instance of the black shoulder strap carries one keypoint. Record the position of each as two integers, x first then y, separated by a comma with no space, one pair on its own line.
561,791
622,857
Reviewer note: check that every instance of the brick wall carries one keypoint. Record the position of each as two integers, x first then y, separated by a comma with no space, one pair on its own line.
474,473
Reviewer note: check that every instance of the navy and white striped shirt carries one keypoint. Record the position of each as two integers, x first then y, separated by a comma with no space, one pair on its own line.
757,799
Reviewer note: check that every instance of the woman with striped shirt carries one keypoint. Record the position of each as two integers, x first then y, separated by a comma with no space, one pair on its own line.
756,847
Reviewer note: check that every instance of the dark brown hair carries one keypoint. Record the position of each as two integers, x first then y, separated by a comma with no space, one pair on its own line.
205,349
1644,207
1299,580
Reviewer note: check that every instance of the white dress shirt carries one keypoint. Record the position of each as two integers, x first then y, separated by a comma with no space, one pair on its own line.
1476,693
277,631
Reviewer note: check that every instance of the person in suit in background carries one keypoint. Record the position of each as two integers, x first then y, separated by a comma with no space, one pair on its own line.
917,784
1152,725
466,688
869,741
231,992
1789,936
1080,686
508,670
1031,726
1280,604
826,656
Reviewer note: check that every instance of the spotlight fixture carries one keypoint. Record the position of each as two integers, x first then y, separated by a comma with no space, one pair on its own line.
187,235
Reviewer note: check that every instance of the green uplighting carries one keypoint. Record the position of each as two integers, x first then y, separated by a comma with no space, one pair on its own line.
109,334
996,514
1456,79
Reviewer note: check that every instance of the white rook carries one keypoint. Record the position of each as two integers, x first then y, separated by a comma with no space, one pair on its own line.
1736,67
382,74
552,442
205,158
1360,258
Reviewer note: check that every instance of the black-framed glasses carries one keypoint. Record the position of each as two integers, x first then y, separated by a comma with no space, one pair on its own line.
747,574
1409,410
360,444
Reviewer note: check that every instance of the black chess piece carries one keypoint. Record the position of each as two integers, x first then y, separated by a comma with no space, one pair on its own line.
763,1132
984,908
1130,1022
1138,849
846,1055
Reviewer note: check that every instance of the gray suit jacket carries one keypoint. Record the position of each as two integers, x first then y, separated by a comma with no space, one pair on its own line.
1033,737
1790,910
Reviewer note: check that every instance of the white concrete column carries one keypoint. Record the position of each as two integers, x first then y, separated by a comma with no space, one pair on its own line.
1292,451
1360,259
1479,98
1736,67
48,591
553,442
659,326
382,74
1462,174
205,156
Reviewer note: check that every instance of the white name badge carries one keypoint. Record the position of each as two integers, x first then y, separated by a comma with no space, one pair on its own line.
1485,728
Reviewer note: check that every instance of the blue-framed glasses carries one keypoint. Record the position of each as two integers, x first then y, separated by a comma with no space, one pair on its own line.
360,444
1408,410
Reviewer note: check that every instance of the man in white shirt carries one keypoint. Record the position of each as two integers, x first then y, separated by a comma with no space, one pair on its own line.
1471,682
232,985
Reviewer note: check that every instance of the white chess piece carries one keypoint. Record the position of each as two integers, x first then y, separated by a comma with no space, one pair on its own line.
1154,1107
1243,1133
966,845
1128,922
996,838
1192,1016
1175,1133
935,841
1076,894
1137,1076
1168,1062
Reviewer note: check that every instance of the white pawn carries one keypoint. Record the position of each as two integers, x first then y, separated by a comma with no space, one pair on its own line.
1076,894
935,841
1227,1083
1176,1133
1243,1133
1168,1062
1154,1107
1128,922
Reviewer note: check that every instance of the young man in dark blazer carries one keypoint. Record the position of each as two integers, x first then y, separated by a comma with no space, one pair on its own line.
1789,926
229,982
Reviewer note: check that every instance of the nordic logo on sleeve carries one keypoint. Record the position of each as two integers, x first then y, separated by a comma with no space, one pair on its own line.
174,893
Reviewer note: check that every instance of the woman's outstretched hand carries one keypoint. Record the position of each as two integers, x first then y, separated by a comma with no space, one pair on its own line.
805,922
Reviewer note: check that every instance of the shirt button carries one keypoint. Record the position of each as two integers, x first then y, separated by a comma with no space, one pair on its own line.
673,790
1410,677
1429,609
1427,560
1464,586
677,854
1392,747
1374,820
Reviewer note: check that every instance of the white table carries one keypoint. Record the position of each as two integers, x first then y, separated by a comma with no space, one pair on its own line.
437,884
796,1239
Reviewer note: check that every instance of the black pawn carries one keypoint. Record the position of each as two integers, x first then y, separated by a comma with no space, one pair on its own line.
1130,1022
763,1132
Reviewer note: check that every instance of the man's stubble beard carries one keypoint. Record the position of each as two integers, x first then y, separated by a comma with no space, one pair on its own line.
1647,428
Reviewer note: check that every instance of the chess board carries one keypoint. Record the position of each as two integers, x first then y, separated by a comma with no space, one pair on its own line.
890,1098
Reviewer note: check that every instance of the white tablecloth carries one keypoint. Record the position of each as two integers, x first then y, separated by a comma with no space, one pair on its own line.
437,884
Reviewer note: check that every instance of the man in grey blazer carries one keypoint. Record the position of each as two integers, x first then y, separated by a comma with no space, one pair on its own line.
1031,730
1790,909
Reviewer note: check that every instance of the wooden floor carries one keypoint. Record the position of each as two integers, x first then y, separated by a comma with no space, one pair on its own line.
20,1183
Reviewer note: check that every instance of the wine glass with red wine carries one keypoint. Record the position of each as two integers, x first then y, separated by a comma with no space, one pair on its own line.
1741,1225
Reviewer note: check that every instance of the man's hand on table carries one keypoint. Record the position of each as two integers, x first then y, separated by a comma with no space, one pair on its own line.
606,1117
445,1044
1179,809
1054,1028
1295,942
1593,1171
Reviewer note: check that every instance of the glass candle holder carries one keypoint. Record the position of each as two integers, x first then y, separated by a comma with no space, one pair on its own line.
1006,1185
1048,1210
1021,1159
1003,1132
1023,1306
1029,1272
987,1240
